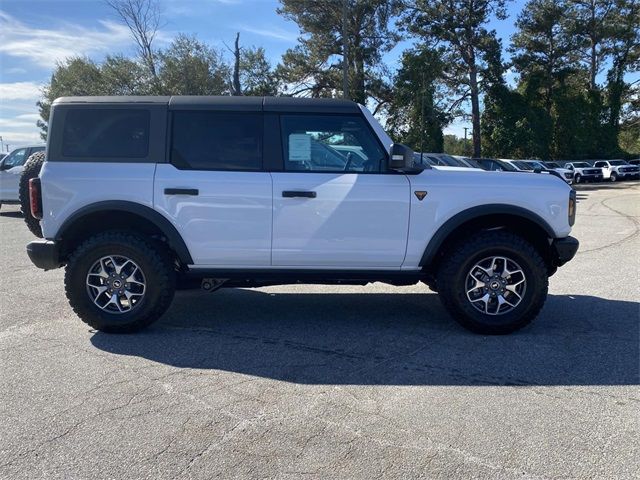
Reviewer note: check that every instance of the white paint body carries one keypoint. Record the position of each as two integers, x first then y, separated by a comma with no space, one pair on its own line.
10,183
356,221
622,171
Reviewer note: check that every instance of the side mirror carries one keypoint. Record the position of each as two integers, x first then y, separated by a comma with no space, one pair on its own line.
401,158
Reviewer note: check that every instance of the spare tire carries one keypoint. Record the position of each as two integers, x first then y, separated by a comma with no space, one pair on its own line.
31,170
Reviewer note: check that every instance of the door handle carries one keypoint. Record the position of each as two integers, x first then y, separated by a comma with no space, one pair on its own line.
181,191
295,193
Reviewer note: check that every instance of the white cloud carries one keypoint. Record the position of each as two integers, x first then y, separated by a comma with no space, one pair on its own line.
20,91
15,71
20,139
45,47
273,32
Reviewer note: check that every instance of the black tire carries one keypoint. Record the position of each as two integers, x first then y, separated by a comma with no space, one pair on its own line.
31,170
613,177
455,268
577,178
152,259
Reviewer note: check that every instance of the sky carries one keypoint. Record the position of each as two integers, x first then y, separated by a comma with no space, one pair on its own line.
35,34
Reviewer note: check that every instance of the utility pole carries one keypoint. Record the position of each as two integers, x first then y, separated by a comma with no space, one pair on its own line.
1,144
345,52
465,140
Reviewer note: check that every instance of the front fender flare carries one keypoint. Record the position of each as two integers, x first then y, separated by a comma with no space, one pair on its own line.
459,219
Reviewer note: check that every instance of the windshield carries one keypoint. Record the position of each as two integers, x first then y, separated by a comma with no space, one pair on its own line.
506,165
552,165
523,165
617,162
581,165
536,164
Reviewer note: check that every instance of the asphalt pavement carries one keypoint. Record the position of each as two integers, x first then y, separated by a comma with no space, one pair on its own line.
311,381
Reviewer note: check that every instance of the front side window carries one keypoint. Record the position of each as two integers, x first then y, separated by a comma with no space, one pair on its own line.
216,140
15,158
106,133
330,143
600,164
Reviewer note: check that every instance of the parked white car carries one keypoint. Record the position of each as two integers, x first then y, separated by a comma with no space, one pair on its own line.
614,170
250,191
584,172
11,168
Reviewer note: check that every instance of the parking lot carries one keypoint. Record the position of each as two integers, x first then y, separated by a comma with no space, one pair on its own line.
330,382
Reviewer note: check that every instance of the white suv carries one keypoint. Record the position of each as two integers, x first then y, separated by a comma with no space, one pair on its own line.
615,170
139,195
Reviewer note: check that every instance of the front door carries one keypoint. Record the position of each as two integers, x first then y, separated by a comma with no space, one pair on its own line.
12,166
334,206
213,190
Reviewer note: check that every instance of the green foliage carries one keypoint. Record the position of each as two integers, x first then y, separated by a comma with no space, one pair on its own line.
414,117
314,66
257,77
459,27
573,97
456,146
190,67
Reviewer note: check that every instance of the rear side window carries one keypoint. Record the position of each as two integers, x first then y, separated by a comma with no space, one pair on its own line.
103,133
216,140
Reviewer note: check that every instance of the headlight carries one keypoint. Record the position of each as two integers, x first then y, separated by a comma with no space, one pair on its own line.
572,208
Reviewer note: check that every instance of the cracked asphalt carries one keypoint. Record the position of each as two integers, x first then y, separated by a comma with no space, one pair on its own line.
330,382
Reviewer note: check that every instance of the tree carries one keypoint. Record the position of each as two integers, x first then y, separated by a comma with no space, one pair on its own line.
591,22
142,17
414,116
257,76
459,27
314,66
190,67
625,57
236,89
545,51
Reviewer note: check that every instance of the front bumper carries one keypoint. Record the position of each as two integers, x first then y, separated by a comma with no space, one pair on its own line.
564,249
44,254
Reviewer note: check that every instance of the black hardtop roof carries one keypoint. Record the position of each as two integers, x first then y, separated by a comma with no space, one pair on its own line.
225,103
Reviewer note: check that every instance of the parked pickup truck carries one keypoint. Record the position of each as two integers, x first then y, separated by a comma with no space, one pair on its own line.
615,170
139,195
584,172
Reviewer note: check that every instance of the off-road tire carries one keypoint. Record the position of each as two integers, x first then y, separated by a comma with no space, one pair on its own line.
155,263
31,170
453,271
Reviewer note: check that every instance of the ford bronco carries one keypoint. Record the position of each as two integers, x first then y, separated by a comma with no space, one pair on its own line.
139,196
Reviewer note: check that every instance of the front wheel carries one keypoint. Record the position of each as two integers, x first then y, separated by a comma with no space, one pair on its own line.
577,178
613,177
494,283
119,282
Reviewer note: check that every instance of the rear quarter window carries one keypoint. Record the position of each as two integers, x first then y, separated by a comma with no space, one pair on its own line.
203,140
104,133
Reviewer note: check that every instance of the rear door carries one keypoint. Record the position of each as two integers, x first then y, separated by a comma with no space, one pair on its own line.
213,188
12,167
337,207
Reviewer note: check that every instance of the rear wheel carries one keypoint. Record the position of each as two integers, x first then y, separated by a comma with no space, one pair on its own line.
31,170
494,283
119,282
